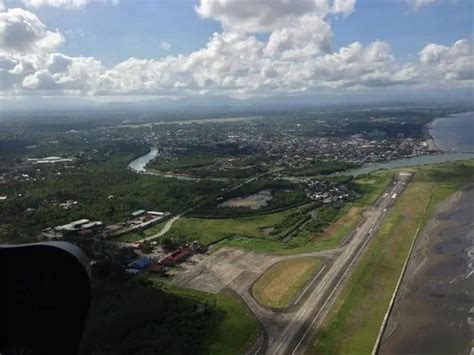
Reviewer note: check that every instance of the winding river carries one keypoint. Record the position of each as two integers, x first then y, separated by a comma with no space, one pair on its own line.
138,165
453,134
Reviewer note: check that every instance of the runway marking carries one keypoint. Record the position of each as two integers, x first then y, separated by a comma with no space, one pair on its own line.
281,343
302,313
378,221
306,289
334,289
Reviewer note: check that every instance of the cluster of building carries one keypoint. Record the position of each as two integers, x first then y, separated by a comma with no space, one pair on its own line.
300,152
49,160
81,227
327,191
140,220
160,265
297,148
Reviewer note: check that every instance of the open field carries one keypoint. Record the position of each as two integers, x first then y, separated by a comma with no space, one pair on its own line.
369,187
207,231
342,225
354,323
252,232
282,282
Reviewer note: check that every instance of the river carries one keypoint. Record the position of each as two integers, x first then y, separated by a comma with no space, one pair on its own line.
453,134
138,165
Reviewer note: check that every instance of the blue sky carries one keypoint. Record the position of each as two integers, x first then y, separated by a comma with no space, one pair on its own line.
316,42
137,28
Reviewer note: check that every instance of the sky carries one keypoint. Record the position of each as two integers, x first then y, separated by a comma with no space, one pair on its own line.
124,50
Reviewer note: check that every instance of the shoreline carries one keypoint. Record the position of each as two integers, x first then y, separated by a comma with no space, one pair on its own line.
430,129
414,308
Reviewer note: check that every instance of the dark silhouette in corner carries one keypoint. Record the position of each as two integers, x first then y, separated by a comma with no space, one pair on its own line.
45,292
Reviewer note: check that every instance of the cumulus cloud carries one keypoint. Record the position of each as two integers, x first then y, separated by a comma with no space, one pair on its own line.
454,62
22,31
417,4
301,37
66,4
344,7
296,57
258,16
268,15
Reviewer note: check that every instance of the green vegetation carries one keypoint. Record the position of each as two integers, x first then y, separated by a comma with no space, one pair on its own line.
237,329
300,231
141,319
353,325
208,231
183,162
285,195
104,190
134,236
278,286
321,167
225,161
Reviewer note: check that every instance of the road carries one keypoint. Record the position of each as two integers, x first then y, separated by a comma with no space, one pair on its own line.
171,221
291,331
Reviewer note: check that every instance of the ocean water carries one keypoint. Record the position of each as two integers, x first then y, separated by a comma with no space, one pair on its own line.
455,132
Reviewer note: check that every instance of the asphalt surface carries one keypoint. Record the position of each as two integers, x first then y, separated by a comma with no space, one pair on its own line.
291,331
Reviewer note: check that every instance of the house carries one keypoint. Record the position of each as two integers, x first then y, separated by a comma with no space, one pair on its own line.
176,257
139,264
138,213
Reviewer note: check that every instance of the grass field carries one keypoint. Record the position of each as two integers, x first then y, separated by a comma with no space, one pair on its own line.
207,231
354,322
281,283
237,329
248,232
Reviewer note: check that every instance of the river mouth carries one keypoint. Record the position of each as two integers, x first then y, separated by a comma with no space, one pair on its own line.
452,134
434,311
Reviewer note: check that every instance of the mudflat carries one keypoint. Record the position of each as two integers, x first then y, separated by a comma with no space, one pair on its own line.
434,309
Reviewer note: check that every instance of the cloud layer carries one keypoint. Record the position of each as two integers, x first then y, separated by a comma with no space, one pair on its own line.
297,57
66,4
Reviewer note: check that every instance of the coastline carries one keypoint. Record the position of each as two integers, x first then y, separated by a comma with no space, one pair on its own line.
432,288
430,130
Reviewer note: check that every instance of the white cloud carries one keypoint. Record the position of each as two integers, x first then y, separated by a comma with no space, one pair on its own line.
344,7
165,46
296,57
417,4
301,37
2,5
258,16
449,63
22,31
66,4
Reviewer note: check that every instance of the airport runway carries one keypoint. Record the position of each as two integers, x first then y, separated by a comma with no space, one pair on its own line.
290,331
